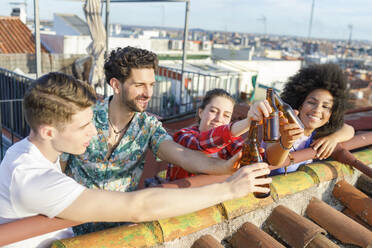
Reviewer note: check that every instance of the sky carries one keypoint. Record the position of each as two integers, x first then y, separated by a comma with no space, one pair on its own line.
283,17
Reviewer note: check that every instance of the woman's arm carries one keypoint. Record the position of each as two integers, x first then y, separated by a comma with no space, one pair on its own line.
277,153
326,145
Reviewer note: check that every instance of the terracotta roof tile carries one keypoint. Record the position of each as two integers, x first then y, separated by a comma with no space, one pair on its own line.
354,199
294,229
250,234
15,37
206,241
355,217
337,224
360,120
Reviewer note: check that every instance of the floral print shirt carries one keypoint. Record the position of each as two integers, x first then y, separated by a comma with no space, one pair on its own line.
123,169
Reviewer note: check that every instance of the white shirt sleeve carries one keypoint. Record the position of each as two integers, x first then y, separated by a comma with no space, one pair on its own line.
42,191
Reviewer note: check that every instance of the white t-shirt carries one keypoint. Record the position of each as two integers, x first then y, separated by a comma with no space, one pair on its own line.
30,185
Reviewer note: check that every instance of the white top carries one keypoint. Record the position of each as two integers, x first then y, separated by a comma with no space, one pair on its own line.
301,143
30,185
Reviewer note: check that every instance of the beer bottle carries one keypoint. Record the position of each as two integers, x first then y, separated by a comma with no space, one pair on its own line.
251,154
287,111
271,123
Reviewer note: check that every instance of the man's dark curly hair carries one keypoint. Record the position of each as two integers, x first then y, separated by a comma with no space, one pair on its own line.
121,61
320,76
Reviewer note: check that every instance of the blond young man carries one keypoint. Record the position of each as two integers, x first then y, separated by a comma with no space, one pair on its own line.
58,110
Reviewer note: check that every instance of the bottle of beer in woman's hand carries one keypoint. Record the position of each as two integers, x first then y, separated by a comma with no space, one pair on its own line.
287,111
271,123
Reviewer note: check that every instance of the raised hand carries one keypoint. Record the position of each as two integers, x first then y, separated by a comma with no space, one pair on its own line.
290,132
259,110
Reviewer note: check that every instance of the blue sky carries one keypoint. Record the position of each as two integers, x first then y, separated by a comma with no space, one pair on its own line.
290,17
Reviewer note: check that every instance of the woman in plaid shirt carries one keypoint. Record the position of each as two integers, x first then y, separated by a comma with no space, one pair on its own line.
215,135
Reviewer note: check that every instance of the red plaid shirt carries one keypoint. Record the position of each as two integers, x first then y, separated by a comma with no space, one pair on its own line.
215,141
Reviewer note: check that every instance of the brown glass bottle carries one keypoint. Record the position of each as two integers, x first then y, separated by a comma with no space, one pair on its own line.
287,111
251,154
271,124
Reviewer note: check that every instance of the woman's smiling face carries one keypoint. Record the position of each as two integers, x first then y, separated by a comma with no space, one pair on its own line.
316,109
218,112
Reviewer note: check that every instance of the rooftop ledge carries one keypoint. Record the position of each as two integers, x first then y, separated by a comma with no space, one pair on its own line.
221,221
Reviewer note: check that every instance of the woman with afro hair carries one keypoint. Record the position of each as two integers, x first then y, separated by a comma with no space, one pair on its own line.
319,93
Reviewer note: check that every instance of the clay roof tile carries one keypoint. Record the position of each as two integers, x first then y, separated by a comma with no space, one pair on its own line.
15,37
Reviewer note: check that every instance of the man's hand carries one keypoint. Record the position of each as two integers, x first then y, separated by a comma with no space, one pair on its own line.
233,164
246,180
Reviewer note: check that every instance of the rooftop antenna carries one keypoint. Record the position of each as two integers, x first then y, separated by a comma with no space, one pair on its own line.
162,15
311,20
162,7
350,27
263,20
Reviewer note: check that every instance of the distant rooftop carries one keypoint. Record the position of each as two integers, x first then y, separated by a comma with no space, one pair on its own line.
15,37
202,67
75,22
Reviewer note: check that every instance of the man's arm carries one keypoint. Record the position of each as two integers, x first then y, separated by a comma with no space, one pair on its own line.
210,141
158,203
193,161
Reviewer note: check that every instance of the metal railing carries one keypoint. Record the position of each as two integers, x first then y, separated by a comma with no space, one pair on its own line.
12,123
171,98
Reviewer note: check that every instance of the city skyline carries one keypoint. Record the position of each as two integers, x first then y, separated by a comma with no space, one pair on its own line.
283,17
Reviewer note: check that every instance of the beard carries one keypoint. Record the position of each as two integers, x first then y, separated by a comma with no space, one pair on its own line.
131,104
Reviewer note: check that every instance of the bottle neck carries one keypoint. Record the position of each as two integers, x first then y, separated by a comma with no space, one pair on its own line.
278,101
253,131
271,99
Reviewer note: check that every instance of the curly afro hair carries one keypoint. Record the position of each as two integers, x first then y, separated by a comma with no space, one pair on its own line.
121,61
320,76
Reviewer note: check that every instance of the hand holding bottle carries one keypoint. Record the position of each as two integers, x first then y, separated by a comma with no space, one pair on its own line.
271,123
289,132
259,110
250,179
286,109
251,155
